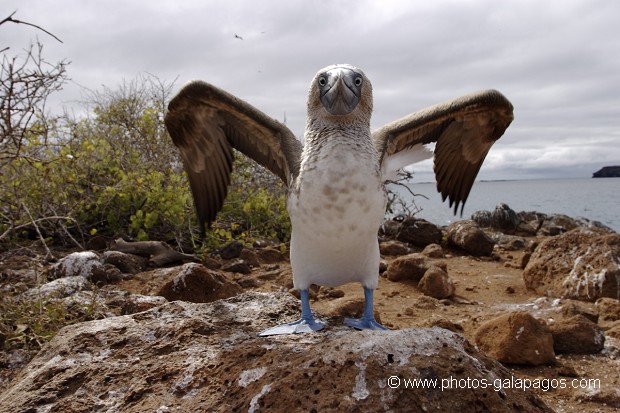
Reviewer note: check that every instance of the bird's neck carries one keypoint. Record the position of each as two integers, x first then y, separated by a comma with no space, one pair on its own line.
325,140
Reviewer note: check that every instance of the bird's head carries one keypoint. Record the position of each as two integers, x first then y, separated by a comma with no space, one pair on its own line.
340,93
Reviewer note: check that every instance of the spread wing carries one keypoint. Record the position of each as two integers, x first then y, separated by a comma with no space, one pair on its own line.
464,130
206,123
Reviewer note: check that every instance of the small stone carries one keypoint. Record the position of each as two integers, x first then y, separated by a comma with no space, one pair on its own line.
238,265
426,302
393,248
609,398
195,283
447,324
516,338
383,266
572,308
126,263
510,290
608,309
250,257
467,236
577,335
389,229
231,250
436,283
434,251
270,255
614,330
409,267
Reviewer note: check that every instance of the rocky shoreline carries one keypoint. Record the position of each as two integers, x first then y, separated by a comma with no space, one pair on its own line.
505,299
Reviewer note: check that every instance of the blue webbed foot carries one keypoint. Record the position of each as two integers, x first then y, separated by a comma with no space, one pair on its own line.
299,326
367,322
306,324
364,324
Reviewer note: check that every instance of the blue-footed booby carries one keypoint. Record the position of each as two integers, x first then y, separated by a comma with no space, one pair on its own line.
336,198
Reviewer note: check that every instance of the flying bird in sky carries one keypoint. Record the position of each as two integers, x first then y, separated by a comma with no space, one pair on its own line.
336,197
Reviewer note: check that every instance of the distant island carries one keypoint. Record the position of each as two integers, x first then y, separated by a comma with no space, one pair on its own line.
607,172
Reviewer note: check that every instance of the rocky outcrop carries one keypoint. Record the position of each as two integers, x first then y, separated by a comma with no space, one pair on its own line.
517,338
607,172
581,264
206,357
468,236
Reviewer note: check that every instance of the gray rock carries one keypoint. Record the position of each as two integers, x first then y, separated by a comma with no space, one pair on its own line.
59,288
85,264
419,232
184,357
467,236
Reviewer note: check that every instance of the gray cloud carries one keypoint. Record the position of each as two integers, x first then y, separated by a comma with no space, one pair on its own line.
557,61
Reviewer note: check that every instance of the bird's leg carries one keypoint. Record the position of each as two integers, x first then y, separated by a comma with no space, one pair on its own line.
306,324
367,322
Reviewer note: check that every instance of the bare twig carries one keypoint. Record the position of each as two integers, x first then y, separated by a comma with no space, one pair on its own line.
12,20
36,221
36,227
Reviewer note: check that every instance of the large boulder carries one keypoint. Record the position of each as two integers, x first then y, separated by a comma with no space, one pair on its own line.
502,218
468,236
419,232
516,338
581,264
186,357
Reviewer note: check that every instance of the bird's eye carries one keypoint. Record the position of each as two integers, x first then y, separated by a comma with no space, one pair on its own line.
358,81
322,81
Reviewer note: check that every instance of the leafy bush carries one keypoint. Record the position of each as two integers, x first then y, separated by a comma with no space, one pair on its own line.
28,324
117,173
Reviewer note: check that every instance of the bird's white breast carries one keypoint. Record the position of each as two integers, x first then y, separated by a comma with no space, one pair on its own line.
336,210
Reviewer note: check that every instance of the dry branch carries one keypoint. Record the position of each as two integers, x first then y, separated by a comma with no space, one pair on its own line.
12,20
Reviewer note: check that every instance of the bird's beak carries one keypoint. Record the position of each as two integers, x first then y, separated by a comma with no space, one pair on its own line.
339,94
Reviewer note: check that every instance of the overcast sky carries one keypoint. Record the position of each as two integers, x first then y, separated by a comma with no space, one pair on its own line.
557,61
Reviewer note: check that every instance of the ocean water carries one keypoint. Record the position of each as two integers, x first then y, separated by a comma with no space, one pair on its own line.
595,199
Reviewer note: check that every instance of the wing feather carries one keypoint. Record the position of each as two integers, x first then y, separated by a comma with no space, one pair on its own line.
464,129
206,123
